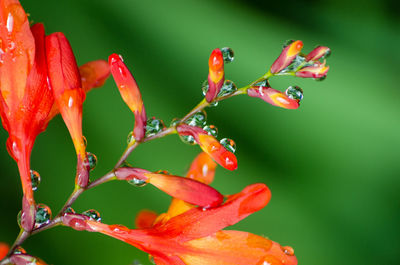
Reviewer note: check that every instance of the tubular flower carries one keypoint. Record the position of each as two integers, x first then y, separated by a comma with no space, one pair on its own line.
130,94
286,57
318,53
69,96
188,190
195,237
4,248
273,97
318,70
210,145
216,74
25,98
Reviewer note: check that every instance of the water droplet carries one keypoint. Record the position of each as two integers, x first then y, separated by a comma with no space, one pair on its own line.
187,139
19,250
92,159
35,179
198,119
320,79
69,210
154,126
93,215
227,88
19,218
43,215
229,144
287,43
164,172
84,141
204,87
294,92
214,104
174,122
263,83
298,61
131,138
288,250
326,55
211,130
137,182
228,54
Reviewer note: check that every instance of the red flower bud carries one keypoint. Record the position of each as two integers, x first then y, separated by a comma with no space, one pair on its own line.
318,70
130,93
216,74
273,97
318,53
286,57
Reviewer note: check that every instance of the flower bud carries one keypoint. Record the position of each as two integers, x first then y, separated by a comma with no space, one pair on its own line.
286,57
273,97
216,74
130,93
318,70
318,53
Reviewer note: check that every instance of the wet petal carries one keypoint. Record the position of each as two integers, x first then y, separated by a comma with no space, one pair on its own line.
94,74
216,74
273,97
286,57
145,219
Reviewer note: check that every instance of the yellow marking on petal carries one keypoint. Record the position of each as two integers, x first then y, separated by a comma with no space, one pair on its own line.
295,48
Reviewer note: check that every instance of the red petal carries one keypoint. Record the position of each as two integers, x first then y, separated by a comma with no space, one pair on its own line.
286,57
3,250
273,97
185,189
145,219
197,223
94,74
216,74
202,169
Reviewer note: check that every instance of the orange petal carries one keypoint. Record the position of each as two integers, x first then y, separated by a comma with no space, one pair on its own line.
236,247
94,74
202,169
145,219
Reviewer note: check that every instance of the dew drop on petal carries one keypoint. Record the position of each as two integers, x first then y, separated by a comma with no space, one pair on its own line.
174,122
205,87
321,78
164,172
84,141
93,215
130,139
229,144
228,54
294,92
187,139
211,130
137,182
69,210
92,159
288,250
287,43
227,88
43,215
154,126
198,119
35,179
19,215
19,250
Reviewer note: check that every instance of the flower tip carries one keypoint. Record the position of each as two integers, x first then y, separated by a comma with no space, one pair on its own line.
216,61
4,248
114,58
229,161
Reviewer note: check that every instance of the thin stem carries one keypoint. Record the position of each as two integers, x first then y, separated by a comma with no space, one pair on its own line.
125,154
22,236
72,198
53,223
107,177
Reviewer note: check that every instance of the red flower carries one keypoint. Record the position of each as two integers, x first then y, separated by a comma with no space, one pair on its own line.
273,97
130,94
195,236
210,145
216,74
26,99
318,70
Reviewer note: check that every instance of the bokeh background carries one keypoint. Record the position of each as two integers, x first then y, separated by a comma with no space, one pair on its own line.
332,165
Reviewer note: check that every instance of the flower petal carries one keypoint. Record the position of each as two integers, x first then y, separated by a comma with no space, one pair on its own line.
286,57
145,219
4,248
216,74
229,247
273,97
94,74
202,169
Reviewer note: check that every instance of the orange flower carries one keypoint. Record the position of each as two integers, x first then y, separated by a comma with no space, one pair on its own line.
26,99
210,145
216,74
130,94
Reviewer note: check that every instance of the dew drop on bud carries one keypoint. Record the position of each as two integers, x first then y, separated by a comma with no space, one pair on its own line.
288,250
320,79
131,139
19,250
84,141
174,122
92,159
198,119
69,210
263,83
228,54
137,182
93,215
211,130
187,139
19,218
227,88
205,87
229,144
164,172
287,43
154,126
294,92
43,215
35,179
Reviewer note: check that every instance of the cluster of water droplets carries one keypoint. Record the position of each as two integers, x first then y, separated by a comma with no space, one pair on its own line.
198,119
154,126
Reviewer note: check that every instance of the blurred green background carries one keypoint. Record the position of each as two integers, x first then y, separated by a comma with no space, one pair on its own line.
332,165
